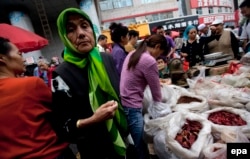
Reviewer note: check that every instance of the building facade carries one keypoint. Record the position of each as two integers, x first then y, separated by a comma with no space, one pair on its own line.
141,15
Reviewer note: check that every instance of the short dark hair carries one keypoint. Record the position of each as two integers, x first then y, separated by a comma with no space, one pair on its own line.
162,57
245,3
4,46
133,33
102,37
117,30
159,27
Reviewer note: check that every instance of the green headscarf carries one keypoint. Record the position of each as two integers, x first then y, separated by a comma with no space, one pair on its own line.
99,81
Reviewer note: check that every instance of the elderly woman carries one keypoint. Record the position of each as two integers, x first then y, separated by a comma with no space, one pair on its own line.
25,106
193,48
87,108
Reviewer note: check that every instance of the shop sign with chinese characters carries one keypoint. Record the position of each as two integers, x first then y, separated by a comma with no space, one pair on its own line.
176,23
210,3
209,19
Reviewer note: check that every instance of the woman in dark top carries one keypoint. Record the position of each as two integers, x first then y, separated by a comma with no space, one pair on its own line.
193,48
85,90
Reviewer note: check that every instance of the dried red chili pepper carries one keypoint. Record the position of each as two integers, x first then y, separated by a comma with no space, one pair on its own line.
226,118
188,134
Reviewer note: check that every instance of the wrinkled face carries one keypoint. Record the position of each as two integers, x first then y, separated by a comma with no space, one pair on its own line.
245,11
218,28
14,61
192,33
80,33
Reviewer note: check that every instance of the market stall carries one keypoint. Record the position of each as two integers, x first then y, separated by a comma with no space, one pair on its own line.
197,122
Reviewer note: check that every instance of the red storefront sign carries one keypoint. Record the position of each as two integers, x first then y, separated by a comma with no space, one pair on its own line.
210,18
210,3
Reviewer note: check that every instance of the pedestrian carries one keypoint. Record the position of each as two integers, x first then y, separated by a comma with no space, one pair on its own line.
170,41
42,70
204,30
85,89
138,71
133,37
25,105
119,35
245,35
102,43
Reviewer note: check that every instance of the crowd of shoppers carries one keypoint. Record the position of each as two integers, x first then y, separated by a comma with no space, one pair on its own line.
94,97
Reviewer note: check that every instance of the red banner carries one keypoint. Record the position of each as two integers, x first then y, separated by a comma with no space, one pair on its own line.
210,3
210,18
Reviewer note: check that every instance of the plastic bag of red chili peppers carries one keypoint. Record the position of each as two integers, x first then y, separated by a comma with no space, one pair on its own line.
187,134
229,119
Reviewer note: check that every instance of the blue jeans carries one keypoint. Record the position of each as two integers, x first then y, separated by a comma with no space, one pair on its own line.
135,124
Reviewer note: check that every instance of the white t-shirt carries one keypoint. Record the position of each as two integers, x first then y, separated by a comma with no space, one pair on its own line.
101,49
245,32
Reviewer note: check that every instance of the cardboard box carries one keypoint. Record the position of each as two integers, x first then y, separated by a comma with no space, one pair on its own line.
218,70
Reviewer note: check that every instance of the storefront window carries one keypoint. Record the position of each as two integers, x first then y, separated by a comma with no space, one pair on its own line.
219,9
122,3
199,10
150,1
113,4
159,16
210,10
226,9
105,5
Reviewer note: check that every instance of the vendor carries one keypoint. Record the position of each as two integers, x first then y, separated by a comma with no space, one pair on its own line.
223,41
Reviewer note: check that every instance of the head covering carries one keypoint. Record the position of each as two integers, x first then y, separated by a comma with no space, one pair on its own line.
201,26
217,21
99,81
188,28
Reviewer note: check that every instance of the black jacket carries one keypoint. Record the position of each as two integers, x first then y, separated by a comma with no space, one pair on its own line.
70,87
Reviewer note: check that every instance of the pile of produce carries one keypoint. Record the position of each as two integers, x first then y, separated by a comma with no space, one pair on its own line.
226,118
186,99
189,133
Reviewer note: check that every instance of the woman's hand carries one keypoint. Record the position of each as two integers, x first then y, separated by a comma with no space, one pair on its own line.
104,112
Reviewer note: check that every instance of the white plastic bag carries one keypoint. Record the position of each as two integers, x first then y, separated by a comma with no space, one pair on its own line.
195,106
161,149
236,136
234,80
192,82
216,128
153,126
204,136
220,153
167,97
158,109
